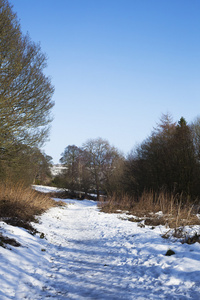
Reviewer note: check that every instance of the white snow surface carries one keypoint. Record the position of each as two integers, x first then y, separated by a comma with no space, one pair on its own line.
87,254
46,189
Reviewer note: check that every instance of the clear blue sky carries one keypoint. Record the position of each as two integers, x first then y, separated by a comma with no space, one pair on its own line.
116,65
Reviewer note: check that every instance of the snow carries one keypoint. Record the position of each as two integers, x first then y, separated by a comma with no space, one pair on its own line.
47,189
87,254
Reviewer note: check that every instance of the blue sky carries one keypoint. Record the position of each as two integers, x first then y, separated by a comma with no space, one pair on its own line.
116,65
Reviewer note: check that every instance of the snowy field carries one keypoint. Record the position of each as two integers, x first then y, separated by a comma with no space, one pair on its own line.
87,254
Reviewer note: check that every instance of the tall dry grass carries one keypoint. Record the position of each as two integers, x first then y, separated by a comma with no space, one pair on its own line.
17,201
175,210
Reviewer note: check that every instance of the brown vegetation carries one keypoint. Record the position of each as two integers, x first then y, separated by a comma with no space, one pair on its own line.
154,209
20,205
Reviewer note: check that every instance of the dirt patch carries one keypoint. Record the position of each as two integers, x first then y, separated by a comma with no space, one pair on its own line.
155,221
136,220
193,239
14,221
4,240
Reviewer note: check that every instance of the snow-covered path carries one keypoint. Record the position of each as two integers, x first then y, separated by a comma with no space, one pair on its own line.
92,255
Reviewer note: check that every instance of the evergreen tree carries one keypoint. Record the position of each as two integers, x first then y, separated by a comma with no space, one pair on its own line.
167,159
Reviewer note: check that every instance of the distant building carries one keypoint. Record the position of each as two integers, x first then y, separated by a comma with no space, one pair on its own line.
57,169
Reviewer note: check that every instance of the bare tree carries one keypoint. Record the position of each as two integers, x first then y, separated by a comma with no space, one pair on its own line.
71,159
25,92
101,161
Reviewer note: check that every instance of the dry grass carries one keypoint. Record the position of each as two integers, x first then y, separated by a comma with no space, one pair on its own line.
20,205
176,210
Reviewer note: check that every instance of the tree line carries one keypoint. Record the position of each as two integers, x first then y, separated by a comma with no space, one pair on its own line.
25,102
169,160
